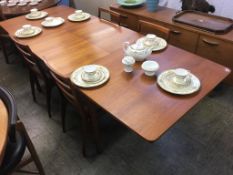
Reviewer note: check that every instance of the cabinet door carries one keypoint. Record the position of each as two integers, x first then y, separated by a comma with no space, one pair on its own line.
184,39
218,51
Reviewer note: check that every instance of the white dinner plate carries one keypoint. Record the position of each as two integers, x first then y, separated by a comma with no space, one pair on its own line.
72,17
166,81
42,15
36,31
162,43
77,77
56,22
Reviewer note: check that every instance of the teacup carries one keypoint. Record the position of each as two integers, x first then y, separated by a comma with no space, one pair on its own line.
182,76
35,12
79,14
2,3
27,29
49,19
151,40
150,67
128,62
90,73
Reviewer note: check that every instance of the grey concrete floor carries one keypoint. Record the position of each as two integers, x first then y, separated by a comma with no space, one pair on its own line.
200,143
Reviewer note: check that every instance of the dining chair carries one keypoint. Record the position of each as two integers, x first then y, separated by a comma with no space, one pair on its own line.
81,105
145,27
17,142
113,16
37,70
63,85
7,45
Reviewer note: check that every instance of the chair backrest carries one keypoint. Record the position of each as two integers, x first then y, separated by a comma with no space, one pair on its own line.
9,102
33,63
145,27
113,16
64,86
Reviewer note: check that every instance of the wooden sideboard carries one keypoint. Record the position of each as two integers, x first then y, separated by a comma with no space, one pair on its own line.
218,48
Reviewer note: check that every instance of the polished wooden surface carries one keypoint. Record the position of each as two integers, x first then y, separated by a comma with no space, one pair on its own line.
3,129
20,10
134,99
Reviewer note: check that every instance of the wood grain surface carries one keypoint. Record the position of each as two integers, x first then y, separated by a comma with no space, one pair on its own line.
3,129
132,98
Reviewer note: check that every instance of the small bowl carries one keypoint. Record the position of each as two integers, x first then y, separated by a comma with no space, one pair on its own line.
150,67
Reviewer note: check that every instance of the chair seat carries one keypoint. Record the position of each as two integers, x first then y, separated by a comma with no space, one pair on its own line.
13,154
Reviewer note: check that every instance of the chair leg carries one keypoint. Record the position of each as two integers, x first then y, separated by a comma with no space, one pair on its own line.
38,84
63,112
32,83
31,149
95,130
5,54
48,99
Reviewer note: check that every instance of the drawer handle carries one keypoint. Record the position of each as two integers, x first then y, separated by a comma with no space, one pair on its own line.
124,25
176,32
212,43
123,16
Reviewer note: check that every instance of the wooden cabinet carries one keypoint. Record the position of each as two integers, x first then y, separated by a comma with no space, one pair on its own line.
218,48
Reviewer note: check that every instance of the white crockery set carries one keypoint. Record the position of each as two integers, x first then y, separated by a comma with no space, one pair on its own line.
177,81
12,3
29,31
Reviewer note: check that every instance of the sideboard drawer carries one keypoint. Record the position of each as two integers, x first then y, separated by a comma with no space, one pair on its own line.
184,39
127,20
218,51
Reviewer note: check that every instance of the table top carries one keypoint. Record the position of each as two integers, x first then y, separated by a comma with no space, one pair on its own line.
20,10
133,99
3,129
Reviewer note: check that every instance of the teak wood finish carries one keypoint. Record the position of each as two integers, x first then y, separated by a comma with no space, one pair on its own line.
9,12
145,27
3,129
133,99
218,48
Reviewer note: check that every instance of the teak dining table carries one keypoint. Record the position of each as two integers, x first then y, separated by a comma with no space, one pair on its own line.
133,99
3,129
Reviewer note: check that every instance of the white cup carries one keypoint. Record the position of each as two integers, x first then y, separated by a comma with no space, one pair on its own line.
150,67
27,29
128,62
35,12
49,19
90,73
2,3
78,13
182,76
150,40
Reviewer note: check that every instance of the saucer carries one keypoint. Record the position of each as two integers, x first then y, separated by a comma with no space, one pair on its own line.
78,75
20,34
162,43
166,82
11,5
42,15
57,21
22,4
73,17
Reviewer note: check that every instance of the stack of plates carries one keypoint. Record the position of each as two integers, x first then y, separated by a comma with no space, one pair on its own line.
166,82
34,31
41,15
75,18
80,78
56,21
160,43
